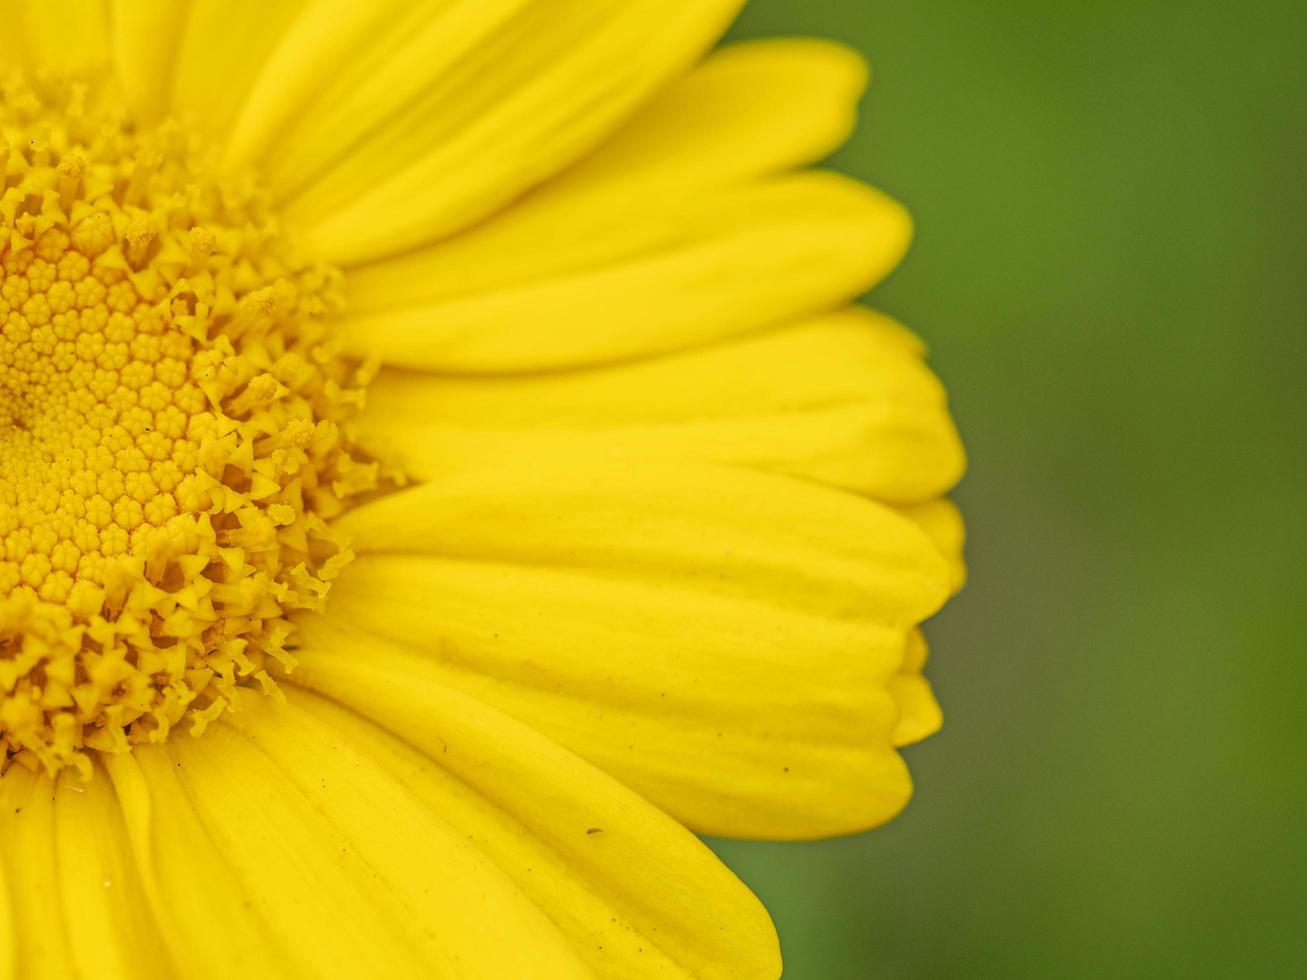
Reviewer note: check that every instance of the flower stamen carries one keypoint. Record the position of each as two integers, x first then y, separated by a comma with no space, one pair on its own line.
174,436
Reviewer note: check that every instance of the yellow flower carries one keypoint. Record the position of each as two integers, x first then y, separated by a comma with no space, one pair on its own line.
440,471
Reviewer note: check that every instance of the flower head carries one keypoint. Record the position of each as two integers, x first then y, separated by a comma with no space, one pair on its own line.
440,469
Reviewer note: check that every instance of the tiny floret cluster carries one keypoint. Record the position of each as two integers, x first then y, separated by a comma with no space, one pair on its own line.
174,434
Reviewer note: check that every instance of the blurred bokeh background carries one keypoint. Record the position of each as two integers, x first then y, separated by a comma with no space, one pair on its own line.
1111,271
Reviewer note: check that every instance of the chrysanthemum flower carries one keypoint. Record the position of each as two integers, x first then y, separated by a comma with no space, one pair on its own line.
441,472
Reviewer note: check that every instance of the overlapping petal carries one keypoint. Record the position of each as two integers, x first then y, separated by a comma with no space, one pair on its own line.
196,58
842,399
424,118
646,276
403,895
721,640
37,927
919,713
748,110
65,38
299,840
631,892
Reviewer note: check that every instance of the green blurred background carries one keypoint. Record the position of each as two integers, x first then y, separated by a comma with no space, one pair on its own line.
1111,270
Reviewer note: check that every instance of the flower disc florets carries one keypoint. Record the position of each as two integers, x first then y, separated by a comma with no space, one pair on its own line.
172,435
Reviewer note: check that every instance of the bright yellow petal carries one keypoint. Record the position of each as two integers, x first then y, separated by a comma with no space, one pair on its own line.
8,916
73,905
343,69
919,712
749,109
68,37
187,877
111,931
843,399
567,231
942,520
648,617
335,853
442,895
220,50
27,852
761,537
145,36
13,53
355,900
644,276
636,894
432,122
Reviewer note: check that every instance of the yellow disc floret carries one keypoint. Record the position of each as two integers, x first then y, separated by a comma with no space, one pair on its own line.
172,434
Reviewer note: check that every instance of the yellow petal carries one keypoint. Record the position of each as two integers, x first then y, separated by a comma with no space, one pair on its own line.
74,905
69,37
843,399
27,852
752,535
636,894
8,914
919,712
111,931
942,520
430,121
187,877
338,855
445,897
569,231
13,52
630,278
145,38
343,69
220,50
749,109
649,617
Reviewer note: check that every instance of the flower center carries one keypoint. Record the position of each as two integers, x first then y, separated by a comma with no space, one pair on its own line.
173,434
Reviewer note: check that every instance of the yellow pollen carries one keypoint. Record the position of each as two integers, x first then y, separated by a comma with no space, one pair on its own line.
203,242
174,436
72,167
